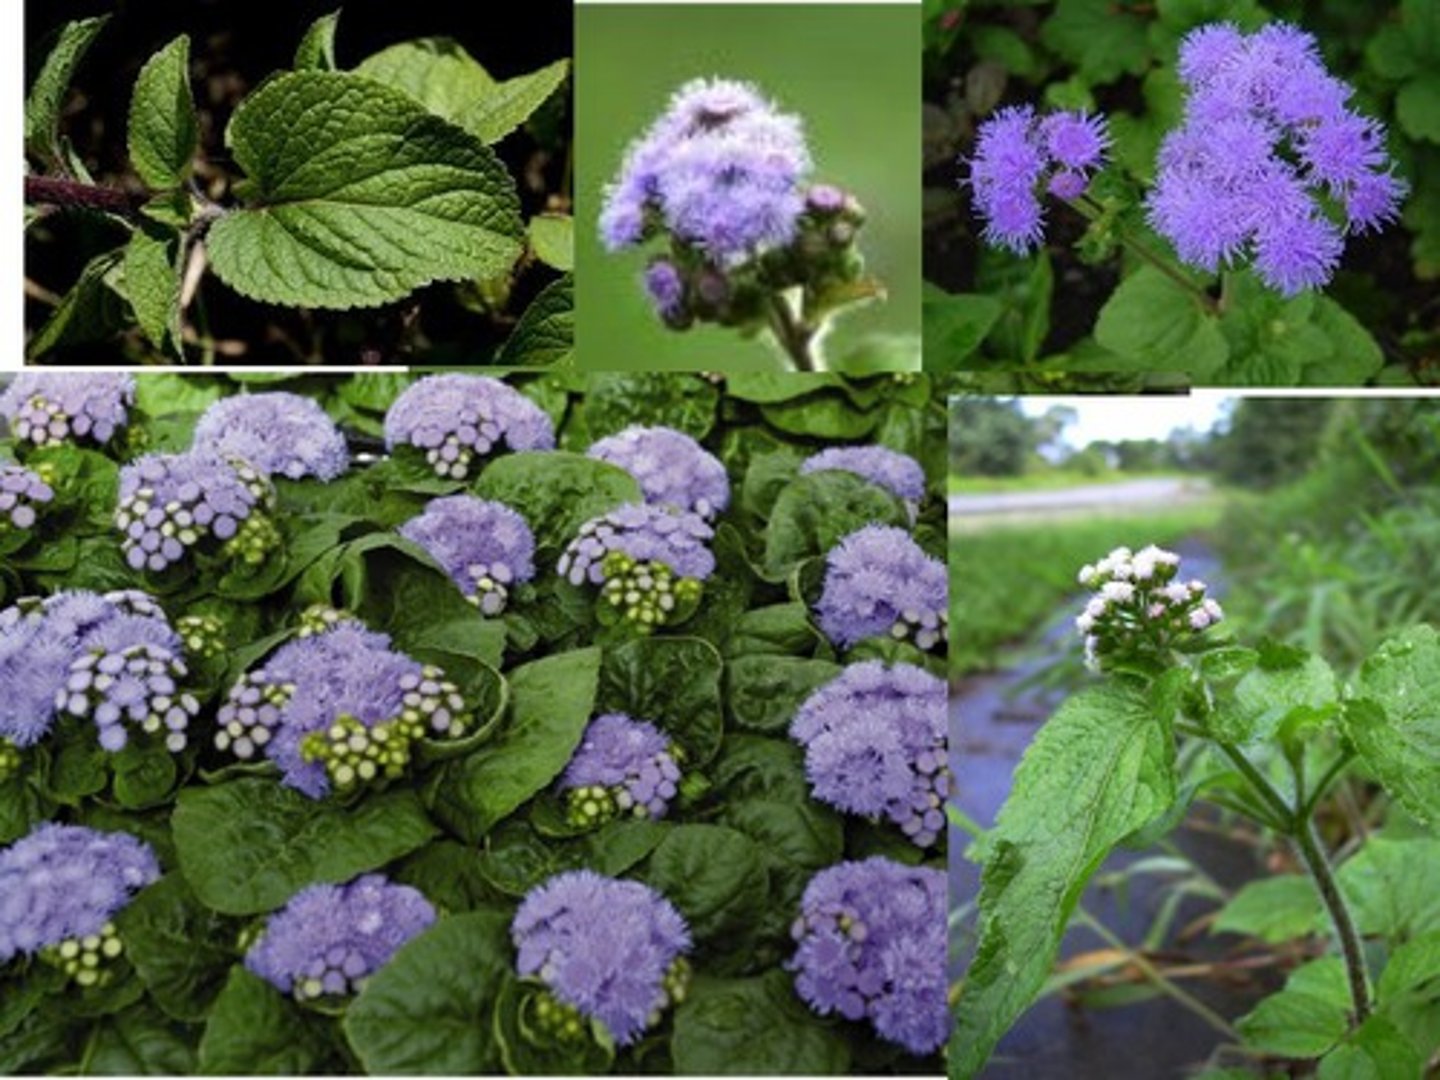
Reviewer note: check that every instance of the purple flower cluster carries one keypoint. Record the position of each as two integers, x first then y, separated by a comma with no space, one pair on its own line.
611,949
1018,152
63,882
671,468
872,945
722,170
485,547
645,533
337,708
112,659
171,502
897,473
50,407
874,741
879,582
329,938
621,766
21,491
278,433
456,419
1266,130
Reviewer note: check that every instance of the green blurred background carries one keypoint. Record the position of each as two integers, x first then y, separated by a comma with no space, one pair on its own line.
848,70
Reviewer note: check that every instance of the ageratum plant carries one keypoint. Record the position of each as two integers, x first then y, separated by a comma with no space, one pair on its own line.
382,784
1263,732
344,189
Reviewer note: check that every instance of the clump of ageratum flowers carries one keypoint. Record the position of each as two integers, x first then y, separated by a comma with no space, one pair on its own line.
671,468
339,710
1019,155
46,408
486,547
608,950
871,945
1141,609
879,583
874,740
171,504
22,494
1267,146
460,420
649,562
721,178
622,766
328,939
60,890
112,659
281,434
897,473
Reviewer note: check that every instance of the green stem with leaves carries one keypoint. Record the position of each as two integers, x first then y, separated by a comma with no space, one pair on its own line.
794,335
1093,211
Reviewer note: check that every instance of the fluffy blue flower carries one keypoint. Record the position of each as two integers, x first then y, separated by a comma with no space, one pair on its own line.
666,288
171,502
46,407
897,473
329,938
871,940
485,547
621,766
456,419
21,491
611,949
874,740
879,582
645,533
63,882
671,468
280,434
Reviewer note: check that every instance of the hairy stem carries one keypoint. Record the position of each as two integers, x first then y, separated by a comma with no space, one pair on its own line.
1263,787
76,195
794,336
1307,811
1308,844
1091,211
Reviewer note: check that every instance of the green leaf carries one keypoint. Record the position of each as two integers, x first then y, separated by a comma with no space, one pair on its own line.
556,492
1390,54
181,951
144,775
47,94
152,283
92,310
1100,41
316,51
1275,910
673,682
545,334
956,324
527,1049
1306,1018
248,845
1154,325
163,132
551,701
254,1030
1417,107
816,511
1377,1051
615,401
364,201
762,693
754,1027
717,879
552,238
777,629
1393,887
1265,698
1408,992
139,1041
428,1010
1101,768
1395,725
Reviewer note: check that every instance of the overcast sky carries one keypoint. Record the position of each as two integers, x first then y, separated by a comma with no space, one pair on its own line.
1116,418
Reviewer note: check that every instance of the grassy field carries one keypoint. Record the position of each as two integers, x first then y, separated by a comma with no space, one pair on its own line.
1005,581
1050,480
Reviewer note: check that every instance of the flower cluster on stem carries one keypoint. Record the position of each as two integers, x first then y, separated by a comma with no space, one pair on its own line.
1140,608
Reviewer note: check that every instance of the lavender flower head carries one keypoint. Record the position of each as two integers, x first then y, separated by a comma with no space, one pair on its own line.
874,740
280,434
622,766
671,468
872,946
65,882
44,407
897,473
21,492
338,709
456,419
665,287
485,547
611,949
879,582
169,503
722,169
328,939
1266,132
1018,152
1140,607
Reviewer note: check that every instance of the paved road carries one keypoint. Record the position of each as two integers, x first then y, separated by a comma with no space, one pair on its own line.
1131,494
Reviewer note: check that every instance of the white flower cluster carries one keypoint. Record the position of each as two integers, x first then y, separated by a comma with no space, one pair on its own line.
1140,604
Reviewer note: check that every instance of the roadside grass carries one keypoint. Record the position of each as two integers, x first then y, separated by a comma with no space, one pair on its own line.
1053,480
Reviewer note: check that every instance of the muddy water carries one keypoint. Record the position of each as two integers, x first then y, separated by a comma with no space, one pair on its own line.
993,717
